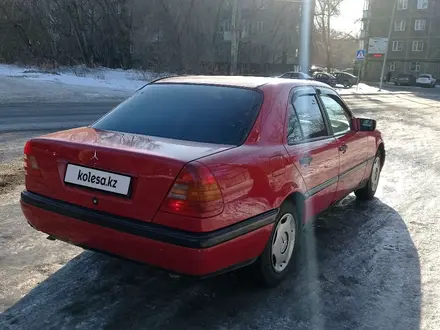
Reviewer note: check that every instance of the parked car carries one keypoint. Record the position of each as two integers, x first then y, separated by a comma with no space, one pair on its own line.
350,71
325,78
296,75
405,80
346,79
426,80
201,175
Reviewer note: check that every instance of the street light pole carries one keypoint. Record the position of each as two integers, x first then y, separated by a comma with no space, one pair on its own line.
306,33
388,45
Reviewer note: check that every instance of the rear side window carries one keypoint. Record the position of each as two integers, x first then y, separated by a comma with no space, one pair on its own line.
199,113
310,117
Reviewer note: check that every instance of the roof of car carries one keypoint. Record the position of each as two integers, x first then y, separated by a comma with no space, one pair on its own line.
345,73
237,81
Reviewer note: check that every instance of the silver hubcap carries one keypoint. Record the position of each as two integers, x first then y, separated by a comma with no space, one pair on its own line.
283,242
375,174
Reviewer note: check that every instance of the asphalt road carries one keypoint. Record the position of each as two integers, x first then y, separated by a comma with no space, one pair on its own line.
21,121
21,117
372,265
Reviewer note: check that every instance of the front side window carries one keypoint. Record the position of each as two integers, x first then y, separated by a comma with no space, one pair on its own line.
422,4
339,119
310,117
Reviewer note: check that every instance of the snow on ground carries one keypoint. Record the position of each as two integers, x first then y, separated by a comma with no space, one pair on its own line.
81,76
79,83
68,84
366,89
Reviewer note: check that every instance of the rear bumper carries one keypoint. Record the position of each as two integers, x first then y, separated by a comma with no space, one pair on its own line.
198,254
424,84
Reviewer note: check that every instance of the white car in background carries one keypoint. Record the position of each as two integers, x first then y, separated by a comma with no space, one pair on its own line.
426,80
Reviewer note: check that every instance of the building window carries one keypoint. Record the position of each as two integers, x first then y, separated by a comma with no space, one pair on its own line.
420,25
397,46
393,66
402,4
225,26
258,27
422,4
367,5
414,66
417,46
399,25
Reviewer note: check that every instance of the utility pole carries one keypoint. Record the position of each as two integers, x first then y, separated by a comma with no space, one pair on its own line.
235,36
388,45
307,15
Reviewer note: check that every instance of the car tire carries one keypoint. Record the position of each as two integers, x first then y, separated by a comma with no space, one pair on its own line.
346,84
369,190
284,243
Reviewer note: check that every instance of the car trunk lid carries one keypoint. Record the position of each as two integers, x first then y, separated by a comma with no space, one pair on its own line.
120,173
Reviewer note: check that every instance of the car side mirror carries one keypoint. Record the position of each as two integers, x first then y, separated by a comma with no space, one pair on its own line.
363,125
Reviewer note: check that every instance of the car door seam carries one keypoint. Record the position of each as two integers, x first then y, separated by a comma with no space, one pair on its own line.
313,191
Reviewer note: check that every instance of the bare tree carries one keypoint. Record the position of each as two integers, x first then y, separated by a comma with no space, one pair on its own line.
326,10
162,35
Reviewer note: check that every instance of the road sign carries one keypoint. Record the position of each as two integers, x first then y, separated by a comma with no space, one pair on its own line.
377,45
360,54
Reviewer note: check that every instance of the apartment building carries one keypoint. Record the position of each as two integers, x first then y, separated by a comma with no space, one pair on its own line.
414,46
269,36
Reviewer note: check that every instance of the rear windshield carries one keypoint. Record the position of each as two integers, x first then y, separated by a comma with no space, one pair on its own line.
200,113
424,76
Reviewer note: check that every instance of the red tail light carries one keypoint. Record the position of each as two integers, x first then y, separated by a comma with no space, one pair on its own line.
195,193
30,162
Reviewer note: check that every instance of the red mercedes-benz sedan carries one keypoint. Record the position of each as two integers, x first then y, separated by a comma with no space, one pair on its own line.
201,175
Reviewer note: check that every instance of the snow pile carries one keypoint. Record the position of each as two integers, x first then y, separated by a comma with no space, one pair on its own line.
117,79
367,89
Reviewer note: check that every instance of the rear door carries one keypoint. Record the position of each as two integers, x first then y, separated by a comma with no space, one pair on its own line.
312,149
352,145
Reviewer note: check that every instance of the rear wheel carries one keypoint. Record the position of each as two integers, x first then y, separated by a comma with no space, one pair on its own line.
369,190
346,84
281,249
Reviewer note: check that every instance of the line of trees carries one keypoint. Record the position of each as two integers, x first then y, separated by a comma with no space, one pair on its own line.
174,35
